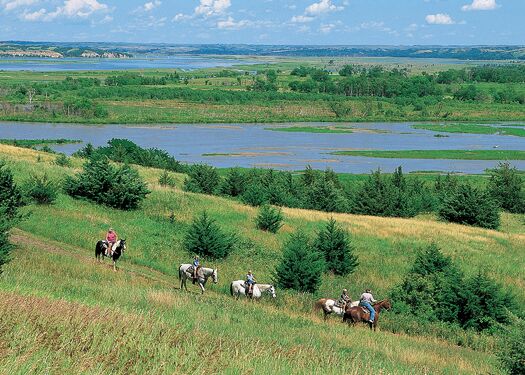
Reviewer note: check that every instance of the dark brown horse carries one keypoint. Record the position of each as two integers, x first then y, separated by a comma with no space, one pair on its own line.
358,314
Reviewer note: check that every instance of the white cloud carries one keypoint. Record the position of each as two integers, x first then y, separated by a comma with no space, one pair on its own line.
439,19
326,28
302,19
231,24
13,4
208,8
181,17
481,5
151,5
34,16
323,6
70,9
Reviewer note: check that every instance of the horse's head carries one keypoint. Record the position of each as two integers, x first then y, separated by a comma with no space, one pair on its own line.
122,245
215,276
271,291
386,304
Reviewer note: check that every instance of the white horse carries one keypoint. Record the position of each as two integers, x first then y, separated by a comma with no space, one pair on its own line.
329,306
202,276
237,288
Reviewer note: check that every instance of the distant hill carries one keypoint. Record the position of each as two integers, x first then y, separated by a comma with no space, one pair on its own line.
123,50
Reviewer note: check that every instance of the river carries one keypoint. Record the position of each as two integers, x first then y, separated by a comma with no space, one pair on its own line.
252,145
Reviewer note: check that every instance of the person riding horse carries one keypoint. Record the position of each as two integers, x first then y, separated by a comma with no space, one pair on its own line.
111,239
344,299
367,300
196,265
250,282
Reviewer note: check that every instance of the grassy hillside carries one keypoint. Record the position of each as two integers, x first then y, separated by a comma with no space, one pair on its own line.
68,314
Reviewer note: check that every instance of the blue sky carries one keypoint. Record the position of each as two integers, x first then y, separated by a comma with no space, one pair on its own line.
349,22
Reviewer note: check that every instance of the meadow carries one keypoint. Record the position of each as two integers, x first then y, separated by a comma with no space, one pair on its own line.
473,129
439,154
244,94
66,313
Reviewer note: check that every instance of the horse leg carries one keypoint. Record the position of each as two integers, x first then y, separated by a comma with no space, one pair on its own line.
114,266
202,288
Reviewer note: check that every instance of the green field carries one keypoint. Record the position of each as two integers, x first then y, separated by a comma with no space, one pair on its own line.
311,129
473,129
220,95
64,313
439,154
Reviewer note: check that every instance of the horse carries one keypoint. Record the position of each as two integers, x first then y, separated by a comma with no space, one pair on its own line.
237,288
202,276
329,306
361,314
118,250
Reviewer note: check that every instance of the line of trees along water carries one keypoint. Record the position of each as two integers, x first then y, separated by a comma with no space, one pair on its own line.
380,194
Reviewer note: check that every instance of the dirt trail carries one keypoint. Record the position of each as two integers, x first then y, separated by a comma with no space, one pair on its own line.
25,239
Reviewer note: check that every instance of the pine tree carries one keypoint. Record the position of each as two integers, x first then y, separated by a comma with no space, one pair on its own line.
471,206
205,238
10,196
234,184
302,265
334,242
202,179
10,202
269,219
506,187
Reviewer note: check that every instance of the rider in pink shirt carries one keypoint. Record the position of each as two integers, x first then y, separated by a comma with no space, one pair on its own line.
111,238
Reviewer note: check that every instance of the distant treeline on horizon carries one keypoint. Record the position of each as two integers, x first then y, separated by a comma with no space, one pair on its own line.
446,52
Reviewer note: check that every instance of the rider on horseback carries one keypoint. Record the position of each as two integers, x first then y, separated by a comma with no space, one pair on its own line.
366,300
196,264
111,239
344,299
250,282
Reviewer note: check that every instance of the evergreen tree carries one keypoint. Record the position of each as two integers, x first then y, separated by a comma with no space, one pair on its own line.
325,196
234,184
471,206
506,187
484,303
103,183
10,202
302,265
41,189
334,242
10,196
202,179
512,351
205,238
269,219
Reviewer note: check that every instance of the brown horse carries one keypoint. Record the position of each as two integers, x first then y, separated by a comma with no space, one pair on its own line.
361,314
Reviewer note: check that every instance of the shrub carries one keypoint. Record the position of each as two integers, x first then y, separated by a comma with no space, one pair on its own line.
100,182
431,289
206,238
484,303
471,206
10,196
302,265
506,187
234,183
269,219
62,160
166,179
41,189
10,202
202,179
512,352
334,242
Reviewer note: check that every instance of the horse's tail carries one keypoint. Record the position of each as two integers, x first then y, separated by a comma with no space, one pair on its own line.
231,288
319,304
180,272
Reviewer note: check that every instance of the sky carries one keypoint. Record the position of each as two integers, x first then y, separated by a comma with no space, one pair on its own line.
322,22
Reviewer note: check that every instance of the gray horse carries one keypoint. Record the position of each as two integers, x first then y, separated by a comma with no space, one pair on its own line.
202,276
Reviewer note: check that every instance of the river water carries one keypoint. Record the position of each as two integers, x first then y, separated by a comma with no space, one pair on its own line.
252,145
184,62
